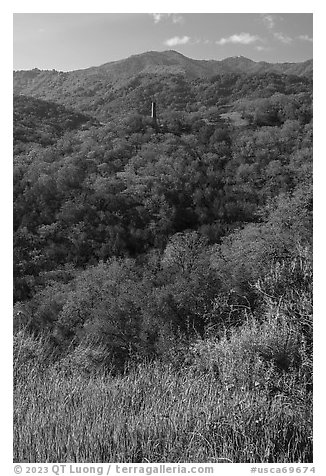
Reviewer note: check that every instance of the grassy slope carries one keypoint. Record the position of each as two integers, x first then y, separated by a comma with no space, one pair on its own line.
231,402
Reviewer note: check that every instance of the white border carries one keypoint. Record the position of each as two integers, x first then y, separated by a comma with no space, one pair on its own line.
61,6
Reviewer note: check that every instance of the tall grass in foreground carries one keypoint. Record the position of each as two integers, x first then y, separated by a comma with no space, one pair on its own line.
241,399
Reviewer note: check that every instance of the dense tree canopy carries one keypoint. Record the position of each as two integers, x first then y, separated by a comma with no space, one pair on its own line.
129,233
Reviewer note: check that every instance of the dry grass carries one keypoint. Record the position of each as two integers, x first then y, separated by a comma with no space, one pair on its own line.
158,414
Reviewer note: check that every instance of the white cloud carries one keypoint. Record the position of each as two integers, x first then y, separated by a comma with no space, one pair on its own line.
175,17
283,38
177,40
242,38
261,48
269,21
157,17
305,38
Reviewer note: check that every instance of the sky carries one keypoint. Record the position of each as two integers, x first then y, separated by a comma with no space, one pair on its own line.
70,41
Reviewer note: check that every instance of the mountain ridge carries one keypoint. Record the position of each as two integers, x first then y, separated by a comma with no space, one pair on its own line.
137,63
125,86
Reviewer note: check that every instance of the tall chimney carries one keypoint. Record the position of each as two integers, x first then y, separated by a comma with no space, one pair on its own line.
154,112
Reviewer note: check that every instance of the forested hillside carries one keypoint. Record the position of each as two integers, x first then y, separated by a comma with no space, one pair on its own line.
180,83
43,122
183,245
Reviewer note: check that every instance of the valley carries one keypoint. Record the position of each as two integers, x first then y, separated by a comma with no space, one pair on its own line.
163,271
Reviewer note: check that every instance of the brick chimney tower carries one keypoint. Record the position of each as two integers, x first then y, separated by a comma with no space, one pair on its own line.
154,118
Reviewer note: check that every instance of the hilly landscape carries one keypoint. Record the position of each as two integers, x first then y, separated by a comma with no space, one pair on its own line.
104,90
163,265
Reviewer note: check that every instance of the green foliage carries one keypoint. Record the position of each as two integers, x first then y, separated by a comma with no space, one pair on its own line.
248,253
120,188
163,272
157,414
42,122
